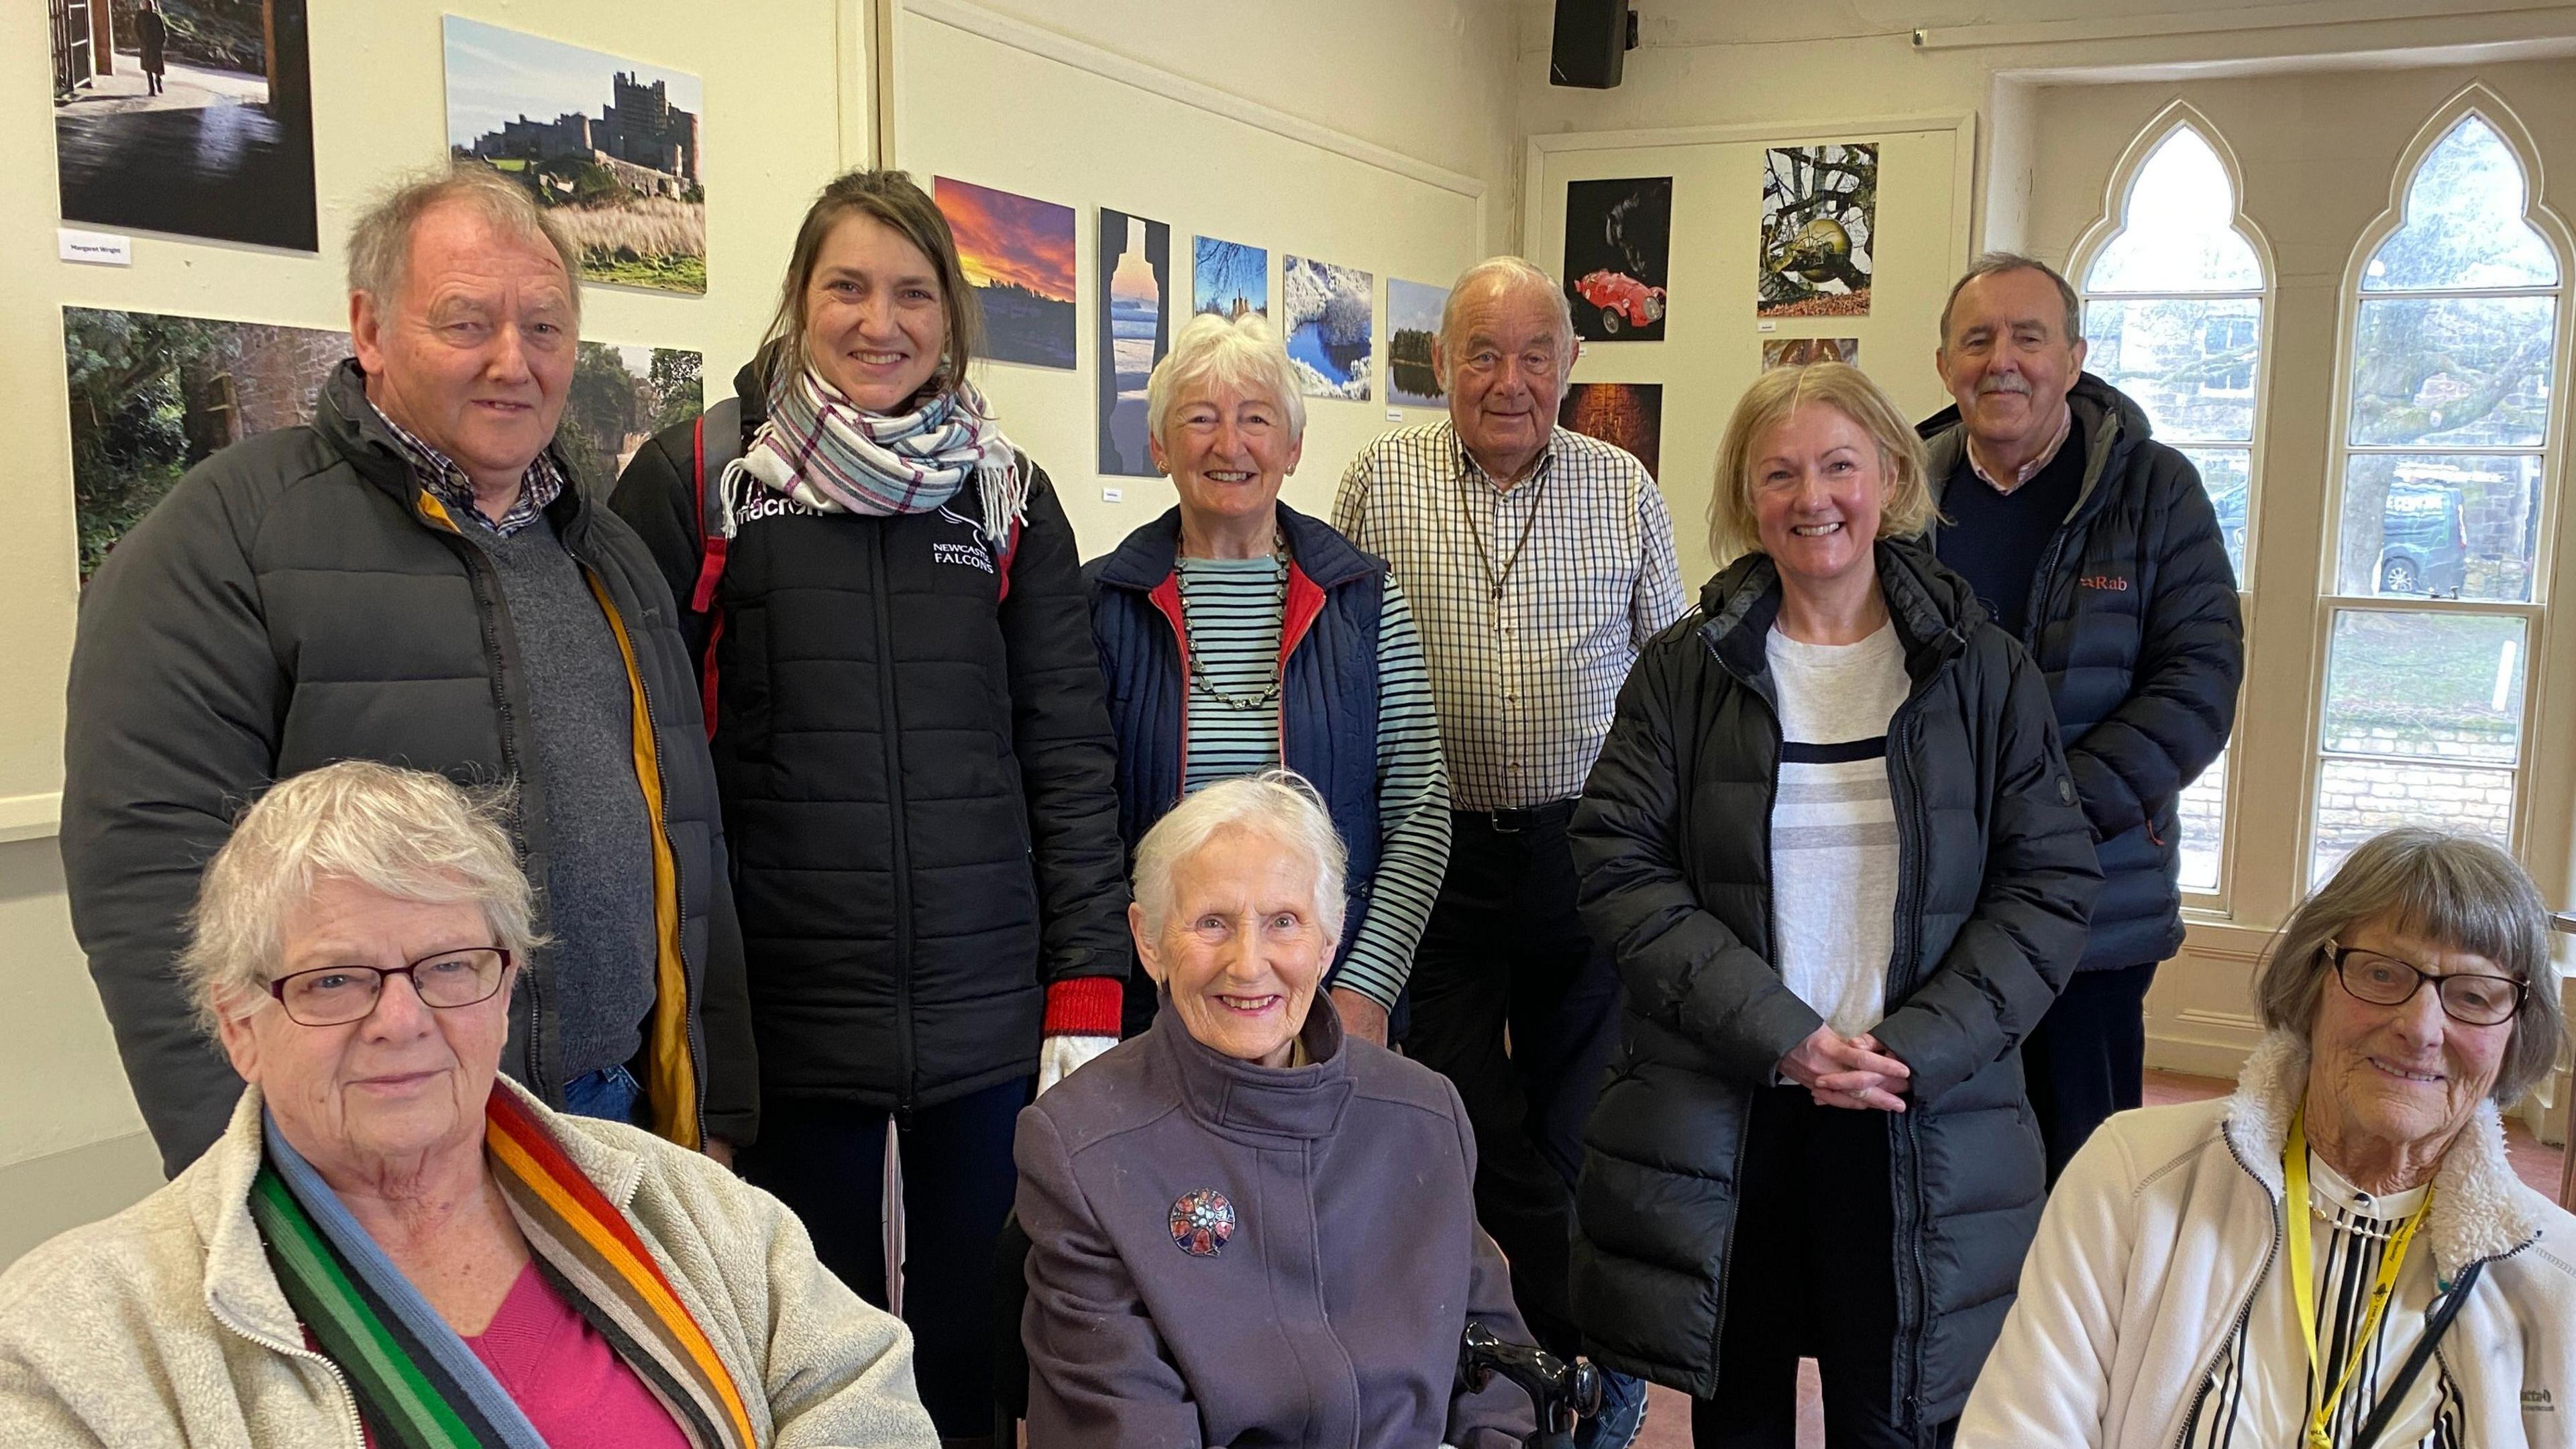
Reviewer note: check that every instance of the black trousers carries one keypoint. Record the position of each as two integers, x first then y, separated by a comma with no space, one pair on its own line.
1811,1273
827,1163
1517,1006
2087,1058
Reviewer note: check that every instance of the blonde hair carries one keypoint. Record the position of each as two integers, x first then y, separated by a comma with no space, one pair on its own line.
1771,400
408,834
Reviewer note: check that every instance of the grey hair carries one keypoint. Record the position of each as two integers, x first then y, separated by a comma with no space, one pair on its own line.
1992,263
409,834
1240,353
380,242
2459,890
1500,274
1280,804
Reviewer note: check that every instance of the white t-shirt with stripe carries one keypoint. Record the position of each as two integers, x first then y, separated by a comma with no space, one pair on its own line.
1833,823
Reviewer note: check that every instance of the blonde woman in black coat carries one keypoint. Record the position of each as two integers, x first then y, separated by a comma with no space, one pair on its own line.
1834,847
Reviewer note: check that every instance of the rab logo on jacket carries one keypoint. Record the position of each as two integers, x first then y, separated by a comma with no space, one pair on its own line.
2538,1401
2112,583
964,555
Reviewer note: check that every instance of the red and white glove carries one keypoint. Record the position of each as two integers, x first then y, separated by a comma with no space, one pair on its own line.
1081,1023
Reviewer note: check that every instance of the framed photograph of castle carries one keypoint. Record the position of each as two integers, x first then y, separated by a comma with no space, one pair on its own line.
610,146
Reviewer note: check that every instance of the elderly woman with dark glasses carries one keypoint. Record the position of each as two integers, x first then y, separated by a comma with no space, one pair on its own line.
2407,1000
392,1243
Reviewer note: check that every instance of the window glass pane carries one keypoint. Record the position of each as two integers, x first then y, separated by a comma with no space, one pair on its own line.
2441,686
2224,473
2203,808
2190,364
2464,225
2178,229
2440,525
2357,799
2472,370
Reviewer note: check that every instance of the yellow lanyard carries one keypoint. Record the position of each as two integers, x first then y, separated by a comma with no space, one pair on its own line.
2294,1167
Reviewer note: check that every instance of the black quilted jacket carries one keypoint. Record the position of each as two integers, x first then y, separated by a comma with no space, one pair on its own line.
1672,844
913,746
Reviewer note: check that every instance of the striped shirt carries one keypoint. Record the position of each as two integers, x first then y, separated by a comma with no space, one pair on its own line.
1528,642
1833,824
2256,1394
431,469
1233,610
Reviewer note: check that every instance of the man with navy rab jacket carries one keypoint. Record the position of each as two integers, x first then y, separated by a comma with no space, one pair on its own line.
2096,547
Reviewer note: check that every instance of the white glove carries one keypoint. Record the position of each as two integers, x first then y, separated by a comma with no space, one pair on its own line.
1058,1056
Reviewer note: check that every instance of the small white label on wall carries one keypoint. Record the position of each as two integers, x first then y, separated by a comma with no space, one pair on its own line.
1393,416
1766,326
1112,495
97,248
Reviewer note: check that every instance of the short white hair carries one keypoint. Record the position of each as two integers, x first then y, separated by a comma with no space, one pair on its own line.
1241,353
408,834
1503,274
1279,804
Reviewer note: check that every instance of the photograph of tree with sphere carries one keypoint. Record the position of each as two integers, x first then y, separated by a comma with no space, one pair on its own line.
1819,222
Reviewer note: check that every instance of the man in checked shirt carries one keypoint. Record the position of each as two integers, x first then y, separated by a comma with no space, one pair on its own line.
1538,561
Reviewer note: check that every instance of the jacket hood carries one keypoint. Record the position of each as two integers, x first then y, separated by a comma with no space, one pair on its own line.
1934,609
2092,398
754,397
2481,1209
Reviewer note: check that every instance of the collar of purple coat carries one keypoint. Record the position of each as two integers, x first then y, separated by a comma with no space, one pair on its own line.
1254,1104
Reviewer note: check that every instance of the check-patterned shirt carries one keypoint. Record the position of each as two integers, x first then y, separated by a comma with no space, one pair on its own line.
438,473
1526,682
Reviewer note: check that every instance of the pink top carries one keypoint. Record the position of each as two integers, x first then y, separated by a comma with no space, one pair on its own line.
566,1378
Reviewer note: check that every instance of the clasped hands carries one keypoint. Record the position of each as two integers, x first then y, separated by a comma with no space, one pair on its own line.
1847,1071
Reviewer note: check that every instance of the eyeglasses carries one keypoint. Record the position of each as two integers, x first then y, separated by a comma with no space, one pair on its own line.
2387,981
332,995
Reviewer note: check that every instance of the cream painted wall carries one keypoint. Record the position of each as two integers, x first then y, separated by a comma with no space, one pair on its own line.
791,98
71,1143
2318,154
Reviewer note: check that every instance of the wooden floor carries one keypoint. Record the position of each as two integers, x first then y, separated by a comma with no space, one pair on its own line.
1668,1413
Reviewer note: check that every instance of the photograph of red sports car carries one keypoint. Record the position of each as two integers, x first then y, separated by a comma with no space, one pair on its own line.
1620,303
1618,257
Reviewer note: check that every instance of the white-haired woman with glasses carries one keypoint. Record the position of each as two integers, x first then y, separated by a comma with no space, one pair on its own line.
1249,1226
393,1244
2422,1295
1238,634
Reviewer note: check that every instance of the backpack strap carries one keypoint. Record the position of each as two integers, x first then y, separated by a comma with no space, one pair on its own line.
712,543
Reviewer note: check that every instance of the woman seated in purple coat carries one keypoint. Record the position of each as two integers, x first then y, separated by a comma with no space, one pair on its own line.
1249,1228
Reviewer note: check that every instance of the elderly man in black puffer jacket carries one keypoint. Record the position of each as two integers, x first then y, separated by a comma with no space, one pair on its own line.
416,577
2096,547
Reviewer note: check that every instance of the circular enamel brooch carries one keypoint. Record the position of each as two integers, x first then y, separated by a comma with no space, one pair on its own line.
1201,1222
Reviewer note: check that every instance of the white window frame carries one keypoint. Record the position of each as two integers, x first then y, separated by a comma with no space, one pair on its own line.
2180,115
2489,108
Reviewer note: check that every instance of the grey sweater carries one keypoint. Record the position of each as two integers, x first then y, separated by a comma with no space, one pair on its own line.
598,901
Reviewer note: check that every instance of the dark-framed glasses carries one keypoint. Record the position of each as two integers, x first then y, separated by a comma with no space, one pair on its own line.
2477,1000
332,995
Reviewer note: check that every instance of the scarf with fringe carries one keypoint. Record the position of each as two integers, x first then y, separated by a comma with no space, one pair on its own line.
826,452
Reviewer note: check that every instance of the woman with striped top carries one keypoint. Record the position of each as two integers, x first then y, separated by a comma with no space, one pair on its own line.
2339,1256
1835,846
1238,634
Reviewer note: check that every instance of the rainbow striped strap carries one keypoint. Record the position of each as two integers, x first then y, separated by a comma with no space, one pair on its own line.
610,1275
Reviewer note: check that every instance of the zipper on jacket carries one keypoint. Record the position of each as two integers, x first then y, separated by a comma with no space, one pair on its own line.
679,870
1910,866
348,1395
899,820
2245,1310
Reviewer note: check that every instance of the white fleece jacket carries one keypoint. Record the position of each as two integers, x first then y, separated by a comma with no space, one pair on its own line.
163,1326
2168,1221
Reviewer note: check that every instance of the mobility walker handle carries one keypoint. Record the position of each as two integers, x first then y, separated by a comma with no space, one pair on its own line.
1561,1392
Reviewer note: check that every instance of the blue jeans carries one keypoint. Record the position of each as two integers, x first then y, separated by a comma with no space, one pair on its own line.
610,1092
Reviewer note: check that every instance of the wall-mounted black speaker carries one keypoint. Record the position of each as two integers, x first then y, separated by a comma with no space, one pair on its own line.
1593,38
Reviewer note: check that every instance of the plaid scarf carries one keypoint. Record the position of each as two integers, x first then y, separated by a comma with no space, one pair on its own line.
418,1385
828,453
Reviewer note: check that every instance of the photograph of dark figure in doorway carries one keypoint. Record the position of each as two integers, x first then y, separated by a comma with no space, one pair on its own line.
193,117
1618,257
1134,318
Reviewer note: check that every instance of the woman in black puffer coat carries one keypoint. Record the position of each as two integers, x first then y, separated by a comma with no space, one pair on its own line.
1834,846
